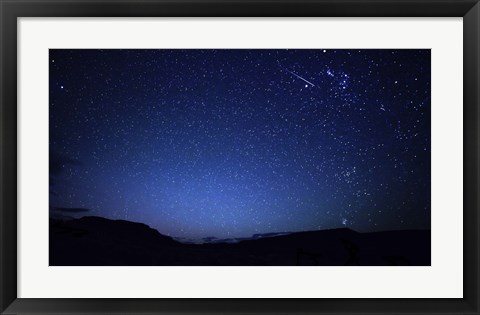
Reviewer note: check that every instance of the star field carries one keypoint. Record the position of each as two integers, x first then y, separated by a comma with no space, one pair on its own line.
229,143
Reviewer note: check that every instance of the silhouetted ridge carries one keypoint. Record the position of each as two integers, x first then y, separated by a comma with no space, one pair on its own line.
99,241
95,241
118,229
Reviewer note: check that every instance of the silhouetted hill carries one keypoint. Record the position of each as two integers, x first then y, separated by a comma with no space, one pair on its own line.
99,241
95,241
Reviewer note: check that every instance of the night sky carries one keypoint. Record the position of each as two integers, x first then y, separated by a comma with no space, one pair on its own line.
229,143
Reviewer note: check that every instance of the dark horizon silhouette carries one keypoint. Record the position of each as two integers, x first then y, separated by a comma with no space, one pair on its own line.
96,241
69,214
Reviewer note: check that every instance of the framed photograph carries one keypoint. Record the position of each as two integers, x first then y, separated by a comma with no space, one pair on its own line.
239,157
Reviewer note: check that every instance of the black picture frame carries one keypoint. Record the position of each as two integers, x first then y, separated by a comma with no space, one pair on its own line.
10,10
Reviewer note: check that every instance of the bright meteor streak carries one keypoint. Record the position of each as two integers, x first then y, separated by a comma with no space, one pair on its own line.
293,73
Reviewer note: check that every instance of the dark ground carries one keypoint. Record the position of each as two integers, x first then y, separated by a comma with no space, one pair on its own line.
95,241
